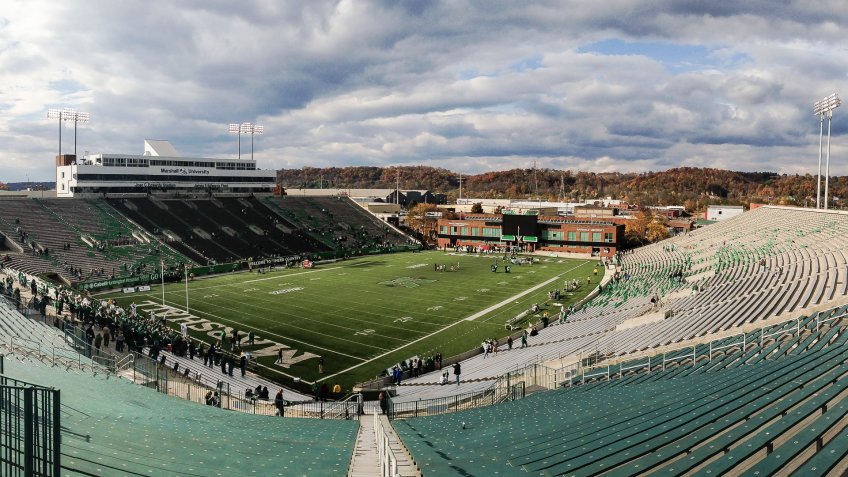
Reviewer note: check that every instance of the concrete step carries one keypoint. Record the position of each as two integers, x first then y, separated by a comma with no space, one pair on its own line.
365,460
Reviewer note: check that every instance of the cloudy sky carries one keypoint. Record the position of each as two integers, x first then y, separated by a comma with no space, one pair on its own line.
471,86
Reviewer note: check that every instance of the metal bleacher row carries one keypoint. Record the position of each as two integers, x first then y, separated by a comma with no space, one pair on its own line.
122,236
52,224
755,409
770,263
113,427
336,221
223,229
141,430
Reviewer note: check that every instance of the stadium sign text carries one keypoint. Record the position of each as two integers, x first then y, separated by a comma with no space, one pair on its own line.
116,282
273,261
182,170
265,347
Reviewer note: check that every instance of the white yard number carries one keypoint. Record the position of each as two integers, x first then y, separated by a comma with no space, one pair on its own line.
367,332
404,319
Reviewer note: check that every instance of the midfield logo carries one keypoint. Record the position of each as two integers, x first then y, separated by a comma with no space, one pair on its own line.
407,282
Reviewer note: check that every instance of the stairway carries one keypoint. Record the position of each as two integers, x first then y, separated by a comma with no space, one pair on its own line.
366,456
365,461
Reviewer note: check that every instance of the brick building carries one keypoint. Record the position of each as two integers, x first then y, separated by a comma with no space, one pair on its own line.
597,237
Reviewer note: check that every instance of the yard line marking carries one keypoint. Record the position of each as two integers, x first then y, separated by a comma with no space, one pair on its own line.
276,277
514,297
472,317
266,332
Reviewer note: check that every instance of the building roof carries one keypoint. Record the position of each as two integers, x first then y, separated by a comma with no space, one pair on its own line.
350,192
159,147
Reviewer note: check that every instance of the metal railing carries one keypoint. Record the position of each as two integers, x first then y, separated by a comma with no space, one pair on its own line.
30,440
501,391
742,340
350,408
385,455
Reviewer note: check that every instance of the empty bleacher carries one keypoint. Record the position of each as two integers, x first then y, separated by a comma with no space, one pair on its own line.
76,234
113,427
757,408
773,262
219,229
337,222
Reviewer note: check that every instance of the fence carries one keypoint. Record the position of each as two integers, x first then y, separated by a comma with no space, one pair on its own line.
693,353
500,391
30,440
386,456
146,371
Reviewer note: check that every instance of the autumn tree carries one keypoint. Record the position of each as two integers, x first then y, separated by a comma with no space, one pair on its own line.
657,229
418,220
477,208
636,229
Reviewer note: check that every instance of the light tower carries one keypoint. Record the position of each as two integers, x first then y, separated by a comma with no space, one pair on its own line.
68,115
236,128
246,128
252,129
824,108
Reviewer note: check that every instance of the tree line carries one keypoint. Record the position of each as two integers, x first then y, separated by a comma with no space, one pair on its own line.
693,188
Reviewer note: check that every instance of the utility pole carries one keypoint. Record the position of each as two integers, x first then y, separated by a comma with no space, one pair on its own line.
561,187
460,188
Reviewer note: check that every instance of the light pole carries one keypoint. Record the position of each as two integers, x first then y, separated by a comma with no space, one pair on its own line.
824,108
68,115
246,128
252,129
235,128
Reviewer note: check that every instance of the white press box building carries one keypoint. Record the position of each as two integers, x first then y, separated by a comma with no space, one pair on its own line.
159,169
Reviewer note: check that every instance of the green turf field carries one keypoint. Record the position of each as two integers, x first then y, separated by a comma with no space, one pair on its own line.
365,314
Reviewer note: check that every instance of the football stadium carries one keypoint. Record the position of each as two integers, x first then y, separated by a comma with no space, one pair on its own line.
177,316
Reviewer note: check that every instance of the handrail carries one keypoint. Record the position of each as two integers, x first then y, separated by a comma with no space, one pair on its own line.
693,355
385,455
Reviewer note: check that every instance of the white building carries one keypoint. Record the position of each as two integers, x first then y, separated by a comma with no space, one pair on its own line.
721,212
159,169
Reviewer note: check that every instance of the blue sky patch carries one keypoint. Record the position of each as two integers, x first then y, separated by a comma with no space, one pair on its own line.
66,86
532,63
676,57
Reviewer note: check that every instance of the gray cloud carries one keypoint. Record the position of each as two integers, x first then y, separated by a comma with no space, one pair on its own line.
470,86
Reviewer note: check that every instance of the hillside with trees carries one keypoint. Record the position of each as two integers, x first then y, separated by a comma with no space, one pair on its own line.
693,188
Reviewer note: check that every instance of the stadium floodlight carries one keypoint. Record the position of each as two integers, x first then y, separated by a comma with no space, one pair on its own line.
234,128
68,115
824,108
57,114
252,129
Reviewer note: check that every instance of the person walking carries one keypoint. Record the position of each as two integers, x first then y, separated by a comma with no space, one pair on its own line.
98,340
456,370
524,339
280,403
383,403
243,363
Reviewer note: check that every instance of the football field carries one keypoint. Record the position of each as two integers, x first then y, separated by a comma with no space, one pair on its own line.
363,315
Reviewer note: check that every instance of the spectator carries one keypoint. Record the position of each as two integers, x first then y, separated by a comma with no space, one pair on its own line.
383,402
280,403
